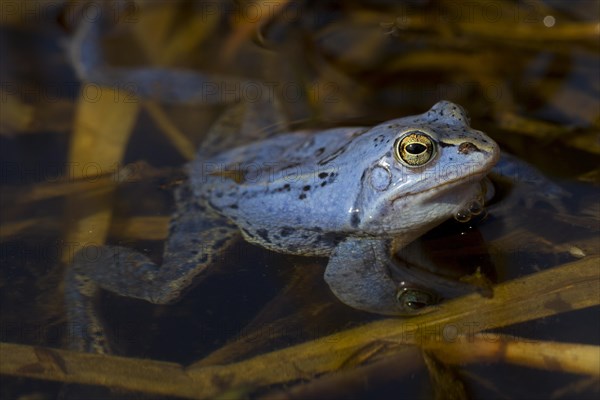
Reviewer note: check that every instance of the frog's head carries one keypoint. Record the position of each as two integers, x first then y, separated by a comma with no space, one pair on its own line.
424,169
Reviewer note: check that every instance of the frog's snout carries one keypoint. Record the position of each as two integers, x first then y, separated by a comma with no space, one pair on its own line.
487,148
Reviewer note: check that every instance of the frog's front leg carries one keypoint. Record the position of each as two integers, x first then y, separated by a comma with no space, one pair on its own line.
196,236
363,274
357,273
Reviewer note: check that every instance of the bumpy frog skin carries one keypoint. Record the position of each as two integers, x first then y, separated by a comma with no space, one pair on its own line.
342,193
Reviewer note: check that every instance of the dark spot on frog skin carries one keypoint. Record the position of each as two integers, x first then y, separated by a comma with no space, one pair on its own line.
302,196
285,187
378,140
323,175
323,183
286,231
354,220
264,234
319,151
335,155
362,179
234,206
306,188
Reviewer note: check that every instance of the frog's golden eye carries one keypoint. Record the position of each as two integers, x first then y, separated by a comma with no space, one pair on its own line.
414,149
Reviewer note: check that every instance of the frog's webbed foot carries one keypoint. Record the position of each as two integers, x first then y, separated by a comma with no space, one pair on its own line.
363,274
196,237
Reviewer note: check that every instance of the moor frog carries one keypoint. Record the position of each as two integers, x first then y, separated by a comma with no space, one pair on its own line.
342,193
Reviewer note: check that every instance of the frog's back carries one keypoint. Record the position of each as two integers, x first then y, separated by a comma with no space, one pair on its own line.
296,148
283,192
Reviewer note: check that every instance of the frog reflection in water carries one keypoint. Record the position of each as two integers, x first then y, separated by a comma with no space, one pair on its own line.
355,194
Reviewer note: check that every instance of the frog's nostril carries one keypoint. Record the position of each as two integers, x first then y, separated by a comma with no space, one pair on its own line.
467,147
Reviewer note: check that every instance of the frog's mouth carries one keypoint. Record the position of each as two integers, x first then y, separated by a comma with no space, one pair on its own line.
444,189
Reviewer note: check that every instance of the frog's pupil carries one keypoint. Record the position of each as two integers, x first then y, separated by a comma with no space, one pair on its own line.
415,148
